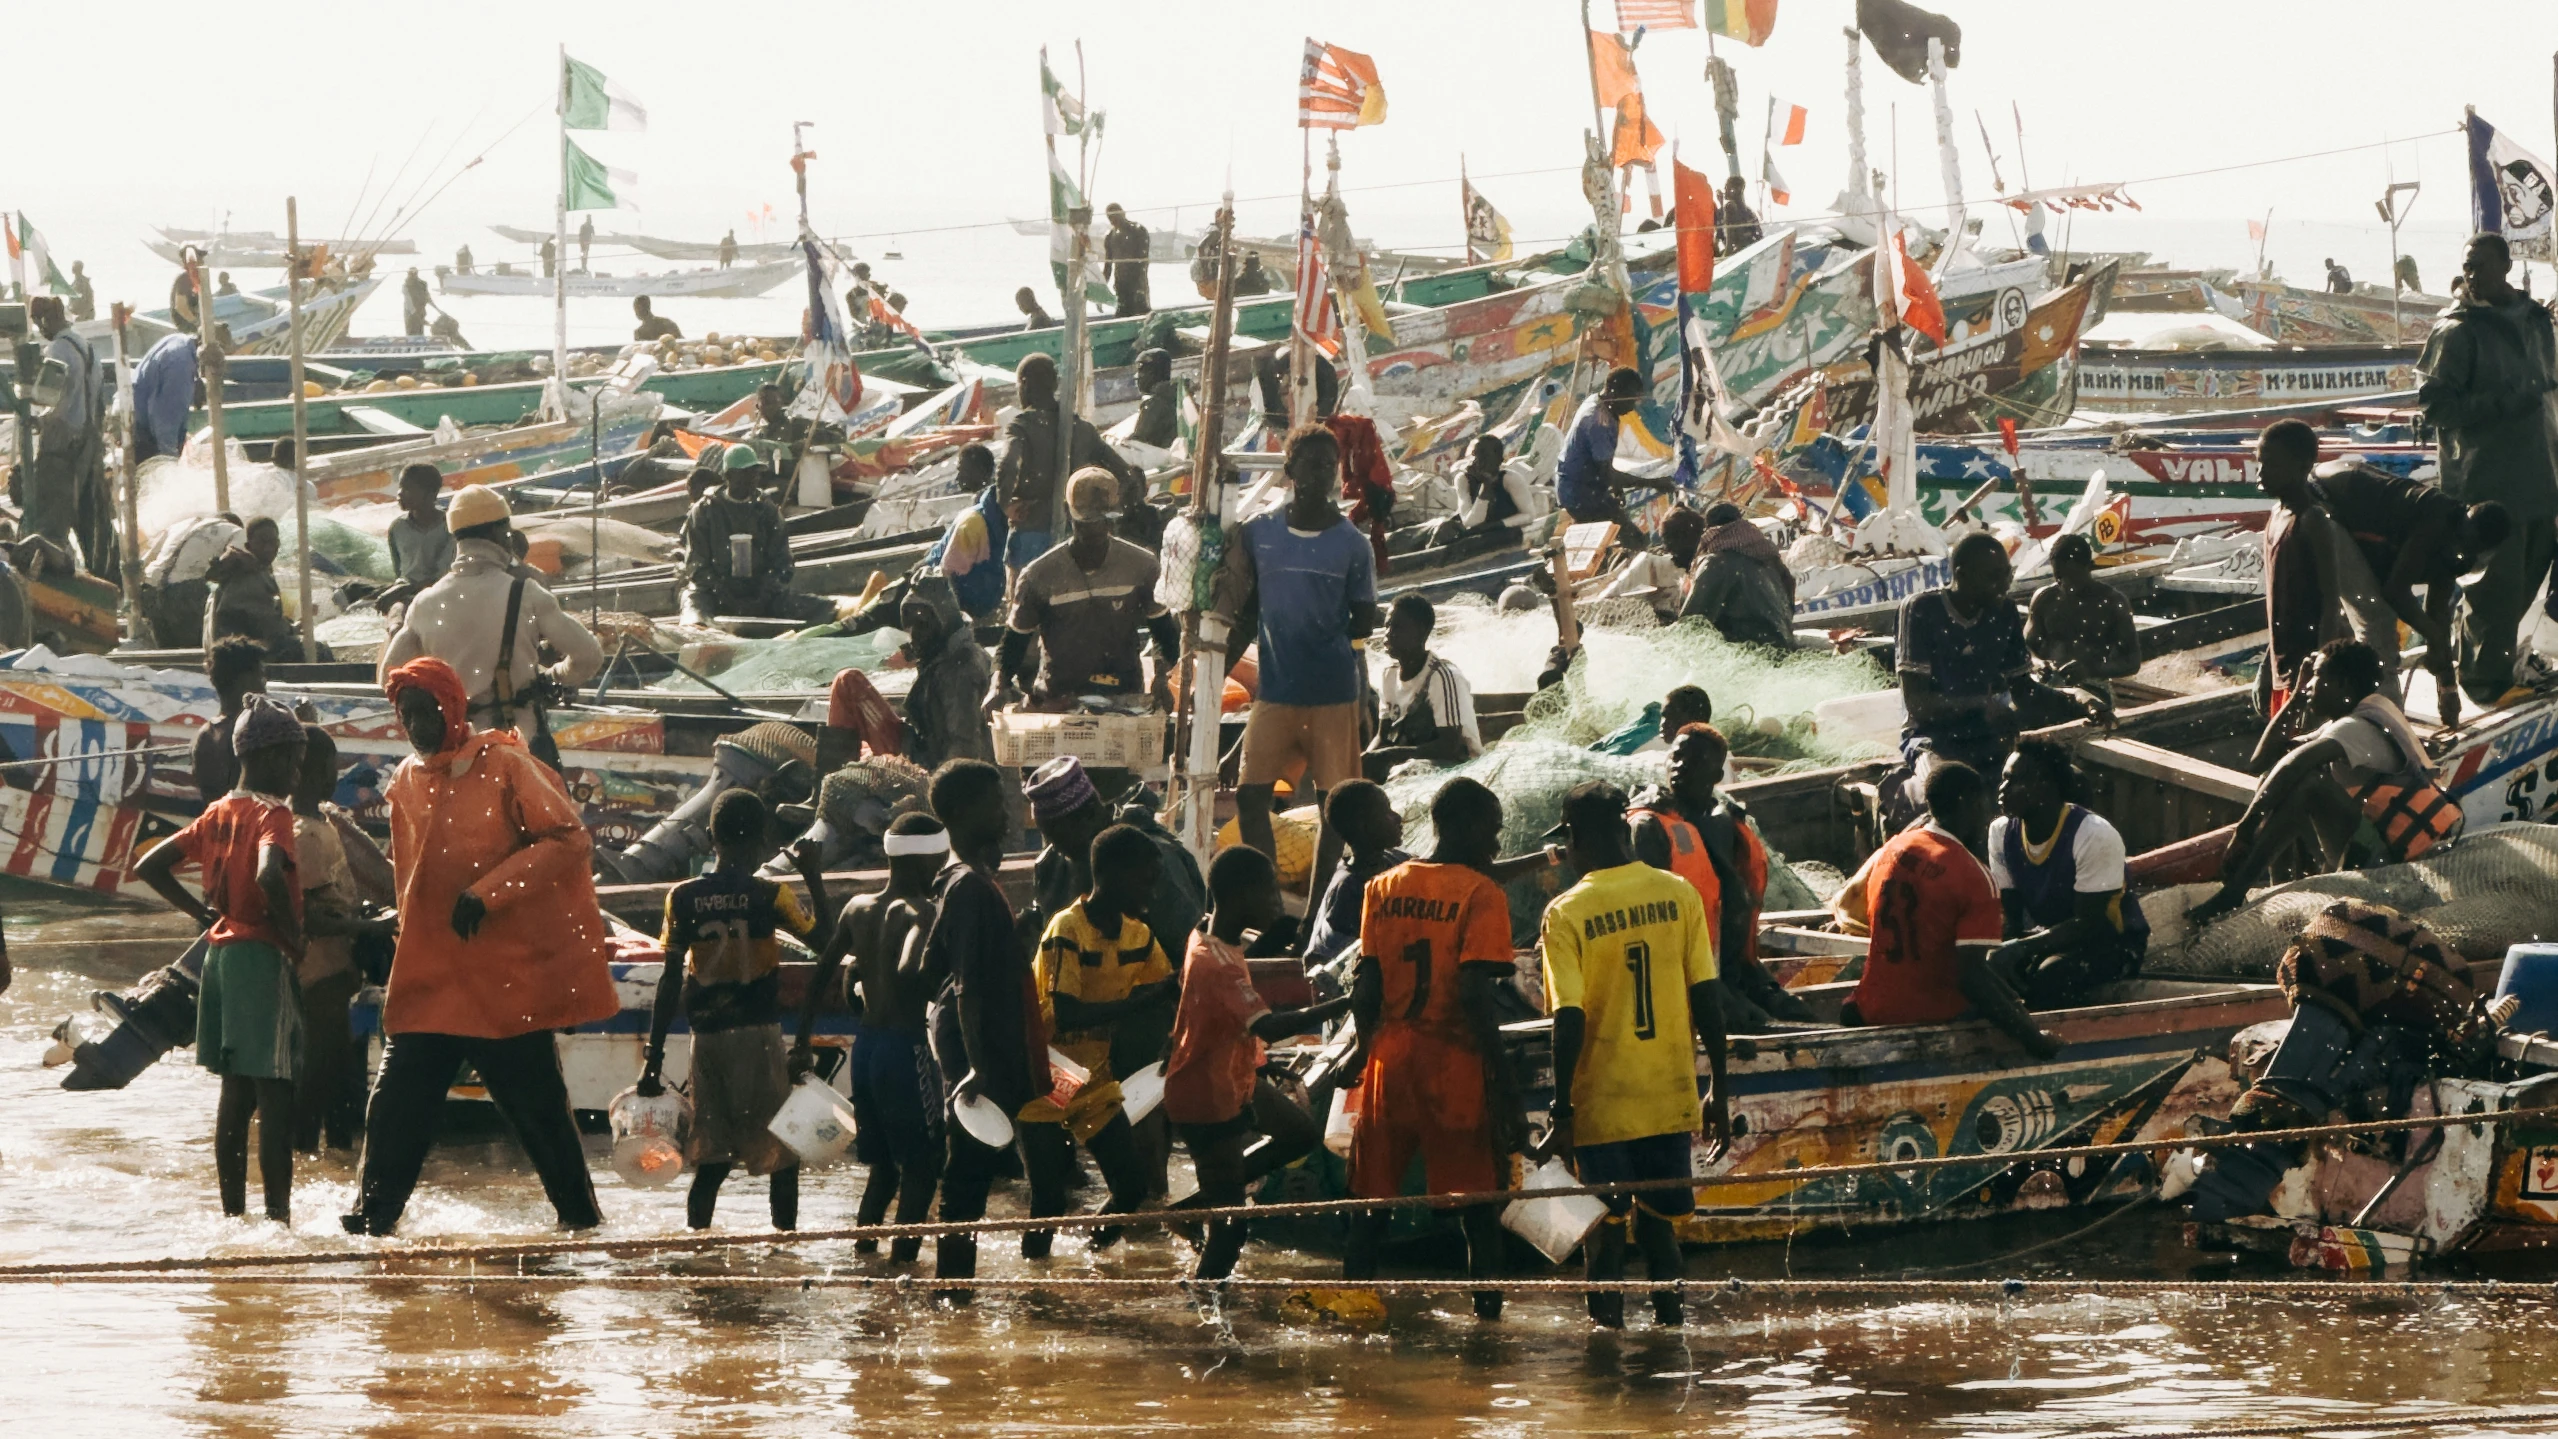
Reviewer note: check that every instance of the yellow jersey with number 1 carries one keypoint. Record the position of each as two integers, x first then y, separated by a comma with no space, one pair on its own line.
1622,946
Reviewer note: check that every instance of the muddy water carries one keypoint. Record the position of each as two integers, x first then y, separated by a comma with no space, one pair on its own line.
130,1175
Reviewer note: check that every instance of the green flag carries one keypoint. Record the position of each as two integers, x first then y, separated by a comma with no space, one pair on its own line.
32,246
588,184
591,102
1064,198
1061,113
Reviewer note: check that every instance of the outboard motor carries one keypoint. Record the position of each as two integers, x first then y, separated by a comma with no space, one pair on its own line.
775,760
153,1017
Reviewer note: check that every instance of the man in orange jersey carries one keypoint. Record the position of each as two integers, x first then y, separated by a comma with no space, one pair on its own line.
1706,839
1434,1081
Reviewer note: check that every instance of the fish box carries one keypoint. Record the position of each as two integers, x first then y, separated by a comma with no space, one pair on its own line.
1028,739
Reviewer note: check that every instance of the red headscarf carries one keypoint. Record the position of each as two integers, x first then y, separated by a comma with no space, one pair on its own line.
438,679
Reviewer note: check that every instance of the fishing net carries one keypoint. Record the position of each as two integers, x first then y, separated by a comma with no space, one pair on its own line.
2492,889
865,795
1763,698
790,665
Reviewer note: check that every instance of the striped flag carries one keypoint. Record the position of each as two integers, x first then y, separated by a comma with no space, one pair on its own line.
1337,89
1913,299
1318,318
1786,121
1633,15
1748,21
1778,191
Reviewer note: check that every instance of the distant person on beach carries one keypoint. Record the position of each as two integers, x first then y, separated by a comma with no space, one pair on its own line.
2485,381
248,1016
652,325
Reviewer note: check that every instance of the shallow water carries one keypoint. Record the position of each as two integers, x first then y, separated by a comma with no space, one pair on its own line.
86,1176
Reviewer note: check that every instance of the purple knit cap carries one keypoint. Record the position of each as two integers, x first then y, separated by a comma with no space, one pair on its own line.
264,724
1058,787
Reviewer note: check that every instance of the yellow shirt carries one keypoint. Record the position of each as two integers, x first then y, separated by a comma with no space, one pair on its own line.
1622,946
1075,959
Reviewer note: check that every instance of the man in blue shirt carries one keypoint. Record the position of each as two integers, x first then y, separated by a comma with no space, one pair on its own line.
1588,483
1965,670
1313,580
163,393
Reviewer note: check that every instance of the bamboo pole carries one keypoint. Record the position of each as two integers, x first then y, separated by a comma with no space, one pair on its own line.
1204,668
210,364
293,268
129,561
559,242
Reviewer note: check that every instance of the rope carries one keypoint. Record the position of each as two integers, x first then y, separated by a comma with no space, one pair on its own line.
1188,1217
2535,1414
2084,1230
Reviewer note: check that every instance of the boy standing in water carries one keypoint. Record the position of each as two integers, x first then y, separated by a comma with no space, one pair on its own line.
1240,1127
723,961
897,1088
332,916
249,1016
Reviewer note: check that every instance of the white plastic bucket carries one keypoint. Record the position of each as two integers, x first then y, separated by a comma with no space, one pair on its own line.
814,1123
1139,1093
1555,1226
648,1136
1337,1129
983,1118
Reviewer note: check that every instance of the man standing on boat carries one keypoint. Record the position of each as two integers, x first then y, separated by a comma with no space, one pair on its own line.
1086,604
413,303
68,443
550,258
1026,481
1588,483
728,248
1966,674
2318,586
84,295
2411,534
1128,249
737,558
2485,381
489,624
585,242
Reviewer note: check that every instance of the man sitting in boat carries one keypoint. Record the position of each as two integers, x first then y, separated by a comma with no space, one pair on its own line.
2071,924
1158,403
2081,632
653,326
737,558
1706,839
1034,315
2364,763
1741,585
1933,917
1425,708
1250,278
490,624
1498,499
1588,482
177,576
1085,604
1966,674
245,599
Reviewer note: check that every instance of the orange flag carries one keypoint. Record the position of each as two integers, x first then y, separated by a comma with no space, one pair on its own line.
1636,139
1612,66
1692,211
1912,296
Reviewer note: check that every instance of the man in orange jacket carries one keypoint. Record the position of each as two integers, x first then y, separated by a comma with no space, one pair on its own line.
501,945
1706,840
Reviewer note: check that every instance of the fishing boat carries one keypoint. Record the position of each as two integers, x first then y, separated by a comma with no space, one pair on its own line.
260,321
664,249
2151,381
268,239
709,389
737,282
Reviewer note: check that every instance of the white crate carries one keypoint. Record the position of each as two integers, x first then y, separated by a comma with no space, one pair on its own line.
1028,739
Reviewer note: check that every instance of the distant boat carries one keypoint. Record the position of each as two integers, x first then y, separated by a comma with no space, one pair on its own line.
1165,246
260,320
269,240
661,248
735,283
894,250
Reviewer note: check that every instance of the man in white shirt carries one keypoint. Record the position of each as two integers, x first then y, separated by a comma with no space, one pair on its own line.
2058,866
1425,708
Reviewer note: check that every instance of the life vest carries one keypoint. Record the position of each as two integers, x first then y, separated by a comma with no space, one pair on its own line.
2048,888
1692,860
2409,810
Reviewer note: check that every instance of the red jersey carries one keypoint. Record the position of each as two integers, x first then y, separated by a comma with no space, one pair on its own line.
228,841
1419,922
1926,896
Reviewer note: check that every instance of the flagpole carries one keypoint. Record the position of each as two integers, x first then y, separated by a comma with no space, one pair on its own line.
1767,151
559,245
136,626
1301,370
209,353
301,421
1465,212
1204,674
1589,62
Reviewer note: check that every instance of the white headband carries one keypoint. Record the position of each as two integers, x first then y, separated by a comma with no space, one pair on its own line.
936,842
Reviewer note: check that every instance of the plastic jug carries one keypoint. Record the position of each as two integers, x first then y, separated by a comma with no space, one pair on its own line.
2531,975
649,1135
814,1122
1343,1122
1556,1226
1139,1093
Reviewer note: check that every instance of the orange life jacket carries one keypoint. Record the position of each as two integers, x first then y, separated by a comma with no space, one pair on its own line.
1690,861
2411,813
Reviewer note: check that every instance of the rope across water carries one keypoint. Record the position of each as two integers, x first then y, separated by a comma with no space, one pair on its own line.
696,1242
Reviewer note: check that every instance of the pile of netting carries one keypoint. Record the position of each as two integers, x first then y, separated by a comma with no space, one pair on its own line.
2495,887
790,665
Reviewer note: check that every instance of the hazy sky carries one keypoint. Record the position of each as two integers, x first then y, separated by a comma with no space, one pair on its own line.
926,115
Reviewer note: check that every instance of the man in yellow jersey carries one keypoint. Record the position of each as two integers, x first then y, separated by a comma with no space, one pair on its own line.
1629,971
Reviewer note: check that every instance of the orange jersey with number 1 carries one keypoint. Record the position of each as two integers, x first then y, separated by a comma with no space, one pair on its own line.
1419,923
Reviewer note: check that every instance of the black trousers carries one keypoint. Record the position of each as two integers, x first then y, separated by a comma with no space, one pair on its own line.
524,1081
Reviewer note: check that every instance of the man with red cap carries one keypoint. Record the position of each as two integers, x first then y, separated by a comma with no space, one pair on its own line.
501,945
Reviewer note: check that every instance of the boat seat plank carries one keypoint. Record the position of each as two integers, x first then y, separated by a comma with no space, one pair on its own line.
377,421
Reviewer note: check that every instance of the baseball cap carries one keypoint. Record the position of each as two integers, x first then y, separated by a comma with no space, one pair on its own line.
1092,493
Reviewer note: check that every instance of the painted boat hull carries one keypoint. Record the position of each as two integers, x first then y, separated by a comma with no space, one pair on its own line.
709,389
2130,381
736,282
